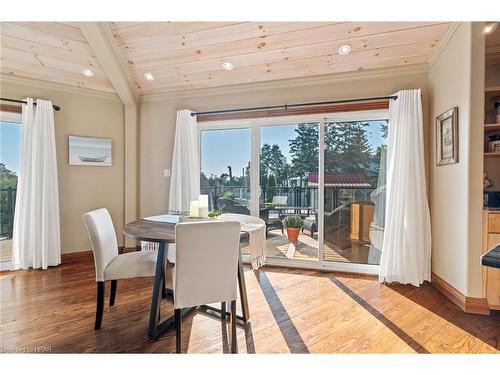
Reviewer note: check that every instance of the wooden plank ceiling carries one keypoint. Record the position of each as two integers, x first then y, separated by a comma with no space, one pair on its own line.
50,51
189,55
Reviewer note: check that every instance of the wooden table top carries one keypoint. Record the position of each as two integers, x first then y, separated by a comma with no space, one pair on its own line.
162,231
149,230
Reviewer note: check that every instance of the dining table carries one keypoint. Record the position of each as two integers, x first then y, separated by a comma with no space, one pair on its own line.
162,232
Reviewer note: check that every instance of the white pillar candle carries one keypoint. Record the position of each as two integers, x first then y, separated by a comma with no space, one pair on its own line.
203,205
203,200
193,209
203,212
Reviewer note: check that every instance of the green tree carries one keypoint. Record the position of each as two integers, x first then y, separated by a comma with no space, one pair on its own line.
384,130
270,187
304,150
273,162
265,163
8,179
347,147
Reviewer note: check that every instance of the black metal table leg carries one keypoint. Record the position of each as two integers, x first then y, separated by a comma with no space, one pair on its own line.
156,327
157,294
243,289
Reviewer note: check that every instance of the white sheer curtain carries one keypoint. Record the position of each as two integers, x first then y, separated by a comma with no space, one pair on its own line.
406,251
36,234
185,180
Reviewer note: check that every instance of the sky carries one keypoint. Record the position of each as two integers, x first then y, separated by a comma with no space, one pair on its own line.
220,148
10,145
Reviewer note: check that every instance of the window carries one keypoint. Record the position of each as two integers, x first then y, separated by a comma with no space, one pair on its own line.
327,169
289,155
354,191
225,168
10,160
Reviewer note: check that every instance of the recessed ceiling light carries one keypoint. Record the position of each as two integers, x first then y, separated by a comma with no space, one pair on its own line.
87,72
344,49
227,65
149,76
490,27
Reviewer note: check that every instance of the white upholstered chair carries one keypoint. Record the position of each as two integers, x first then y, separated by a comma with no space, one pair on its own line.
206,268
109,265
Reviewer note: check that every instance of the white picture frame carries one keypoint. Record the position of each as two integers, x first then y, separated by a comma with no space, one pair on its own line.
89,151
447,137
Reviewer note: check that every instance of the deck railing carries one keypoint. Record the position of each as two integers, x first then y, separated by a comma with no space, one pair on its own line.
7,207
295,196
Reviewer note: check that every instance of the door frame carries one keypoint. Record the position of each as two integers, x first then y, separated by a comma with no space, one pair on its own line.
255,126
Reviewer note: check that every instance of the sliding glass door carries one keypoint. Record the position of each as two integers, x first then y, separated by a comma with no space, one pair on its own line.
328,170
289,162
225,168
354,191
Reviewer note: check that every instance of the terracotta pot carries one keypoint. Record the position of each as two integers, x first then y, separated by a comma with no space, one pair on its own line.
292,233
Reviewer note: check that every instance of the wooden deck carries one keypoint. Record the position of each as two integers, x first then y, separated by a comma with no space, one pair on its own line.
307,249
291,311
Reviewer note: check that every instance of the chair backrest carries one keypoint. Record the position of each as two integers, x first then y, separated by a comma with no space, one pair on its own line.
280,199
206,262
232,206
264,214
103,239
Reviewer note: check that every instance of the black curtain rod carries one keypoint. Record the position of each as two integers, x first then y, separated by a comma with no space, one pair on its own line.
286,106
56,107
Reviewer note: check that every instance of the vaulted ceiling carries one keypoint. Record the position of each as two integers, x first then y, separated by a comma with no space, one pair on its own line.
189,55
50,51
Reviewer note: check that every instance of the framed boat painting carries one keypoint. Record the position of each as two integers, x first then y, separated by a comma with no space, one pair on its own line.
447,137
89,151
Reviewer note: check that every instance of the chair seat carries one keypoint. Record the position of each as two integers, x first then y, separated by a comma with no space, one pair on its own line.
130,265
310,219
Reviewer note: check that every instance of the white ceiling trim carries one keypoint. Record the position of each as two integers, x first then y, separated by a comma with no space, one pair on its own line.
442,44
291,82
56,86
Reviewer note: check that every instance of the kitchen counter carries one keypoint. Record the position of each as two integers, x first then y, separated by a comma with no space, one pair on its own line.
491,258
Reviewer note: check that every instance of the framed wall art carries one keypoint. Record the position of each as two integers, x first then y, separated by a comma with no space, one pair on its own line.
447,137
89,151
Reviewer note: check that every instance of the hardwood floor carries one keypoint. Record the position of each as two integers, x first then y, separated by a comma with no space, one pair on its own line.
292,311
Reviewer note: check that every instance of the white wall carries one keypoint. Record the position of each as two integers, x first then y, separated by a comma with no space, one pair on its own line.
82,188
457,79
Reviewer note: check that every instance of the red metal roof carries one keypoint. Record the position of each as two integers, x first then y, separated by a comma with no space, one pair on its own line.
339,179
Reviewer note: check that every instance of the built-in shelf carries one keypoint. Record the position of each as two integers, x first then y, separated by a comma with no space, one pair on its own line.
492,154
492,89
490,127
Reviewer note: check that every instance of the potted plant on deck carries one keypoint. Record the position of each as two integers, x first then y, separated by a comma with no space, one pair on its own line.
292,224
